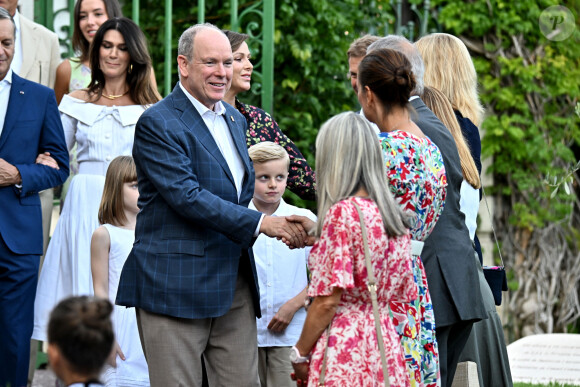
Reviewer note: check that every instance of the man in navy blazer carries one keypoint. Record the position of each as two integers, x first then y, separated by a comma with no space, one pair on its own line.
191,273
29,125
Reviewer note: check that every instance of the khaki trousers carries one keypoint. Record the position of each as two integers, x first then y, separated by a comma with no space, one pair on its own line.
174,346
274,367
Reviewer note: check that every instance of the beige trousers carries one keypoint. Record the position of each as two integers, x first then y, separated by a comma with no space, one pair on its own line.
174,346
274,367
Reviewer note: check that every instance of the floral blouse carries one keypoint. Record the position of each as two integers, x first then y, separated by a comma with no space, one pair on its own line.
417,179
262,127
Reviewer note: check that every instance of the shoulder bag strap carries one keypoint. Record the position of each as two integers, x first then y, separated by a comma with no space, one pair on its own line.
491,222
323,368
373,289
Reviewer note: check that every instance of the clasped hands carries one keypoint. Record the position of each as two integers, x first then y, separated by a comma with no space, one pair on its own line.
292,230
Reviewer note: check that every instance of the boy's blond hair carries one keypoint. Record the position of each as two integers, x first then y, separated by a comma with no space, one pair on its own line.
268,151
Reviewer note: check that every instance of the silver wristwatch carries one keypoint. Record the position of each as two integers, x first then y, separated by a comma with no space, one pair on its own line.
296,358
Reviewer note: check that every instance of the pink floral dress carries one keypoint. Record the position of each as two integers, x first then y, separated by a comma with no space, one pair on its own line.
337,260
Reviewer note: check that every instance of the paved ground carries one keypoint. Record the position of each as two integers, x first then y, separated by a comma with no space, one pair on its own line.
44,378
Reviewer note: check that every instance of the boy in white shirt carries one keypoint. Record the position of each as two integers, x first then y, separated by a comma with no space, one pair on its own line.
281,271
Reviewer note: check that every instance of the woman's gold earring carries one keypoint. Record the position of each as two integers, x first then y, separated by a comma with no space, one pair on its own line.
130,68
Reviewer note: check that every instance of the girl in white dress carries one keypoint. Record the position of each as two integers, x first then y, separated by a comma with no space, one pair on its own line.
110,246
101,121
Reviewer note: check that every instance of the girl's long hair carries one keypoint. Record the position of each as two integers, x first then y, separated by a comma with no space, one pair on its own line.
80,43
449,68
111,210
440,105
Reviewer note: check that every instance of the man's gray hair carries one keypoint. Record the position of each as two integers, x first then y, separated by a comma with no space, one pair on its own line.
185,46
402,45
4,14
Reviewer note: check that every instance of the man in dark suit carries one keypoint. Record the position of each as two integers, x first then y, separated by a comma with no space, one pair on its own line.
29,125
191,273
448,252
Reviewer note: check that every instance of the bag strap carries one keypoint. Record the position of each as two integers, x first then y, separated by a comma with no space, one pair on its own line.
372,284
323,368
492,228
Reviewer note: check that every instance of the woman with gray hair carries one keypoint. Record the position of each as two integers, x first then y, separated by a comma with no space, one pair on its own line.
348,350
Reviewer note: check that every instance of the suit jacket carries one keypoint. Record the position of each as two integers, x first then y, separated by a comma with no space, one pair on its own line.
192,232
32,126
40,53
448,254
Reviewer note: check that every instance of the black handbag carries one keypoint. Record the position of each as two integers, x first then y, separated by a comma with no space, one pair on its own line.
495,275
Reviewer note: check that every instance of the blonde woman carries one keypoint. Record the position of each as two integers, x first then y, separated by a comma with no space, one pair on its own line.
347,146
449,69
485,346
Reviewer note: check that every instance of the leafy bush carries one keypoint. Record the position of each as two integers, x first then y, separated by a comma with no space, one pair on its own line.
530,87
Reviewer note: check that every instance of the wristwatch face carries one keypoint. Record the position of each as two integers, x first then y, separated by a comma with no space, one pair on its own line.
293,355
296,358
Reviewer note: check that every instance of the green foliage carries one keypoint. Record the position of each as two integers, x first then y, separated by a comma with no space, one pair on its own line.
529,86
311,40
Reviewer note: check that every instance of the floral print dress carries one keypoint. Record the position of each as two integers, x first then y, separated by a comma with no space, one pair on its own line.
417,179
262,127
337,260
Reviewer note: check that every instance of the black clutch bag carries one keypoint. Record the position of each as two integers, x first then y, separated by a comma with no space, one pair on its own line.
497,281
495,275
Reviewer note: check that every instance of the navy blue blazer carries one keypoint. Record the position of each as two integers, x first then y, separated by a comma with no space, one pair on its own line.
192,232
32,126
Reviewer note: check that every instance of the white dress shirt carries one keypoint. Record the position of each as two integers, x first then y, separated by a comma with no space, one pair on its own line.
281,275
5,86
16,64
216,123
469,205
373,125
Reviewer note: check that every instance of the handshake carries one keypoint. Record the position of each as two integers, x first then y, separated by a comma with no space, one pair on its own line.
293,230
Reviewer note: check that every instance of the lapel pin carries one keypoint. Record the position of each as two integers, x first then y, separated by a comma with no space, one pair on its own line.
232,118
21,92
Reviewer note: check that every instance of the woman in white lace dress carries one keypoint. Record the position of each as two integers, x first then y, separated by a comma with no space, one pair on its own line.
100,120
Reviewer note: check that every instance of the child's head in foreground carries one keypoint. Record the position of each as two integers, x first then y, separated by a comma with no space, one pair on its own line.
80,338
271,163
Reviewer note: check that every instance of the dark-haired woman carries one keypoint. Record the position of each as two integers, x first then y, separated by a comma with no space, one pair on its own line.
261,125
80,338
75,73
417,180
101,121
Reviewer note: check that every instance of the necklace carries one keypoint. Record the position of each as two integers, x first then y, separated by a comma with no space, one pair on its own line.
113,97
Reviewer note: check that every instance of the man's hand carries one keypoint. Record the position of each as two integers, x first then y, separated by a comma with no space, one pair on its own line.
46,159
293,234
307,224
9,174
